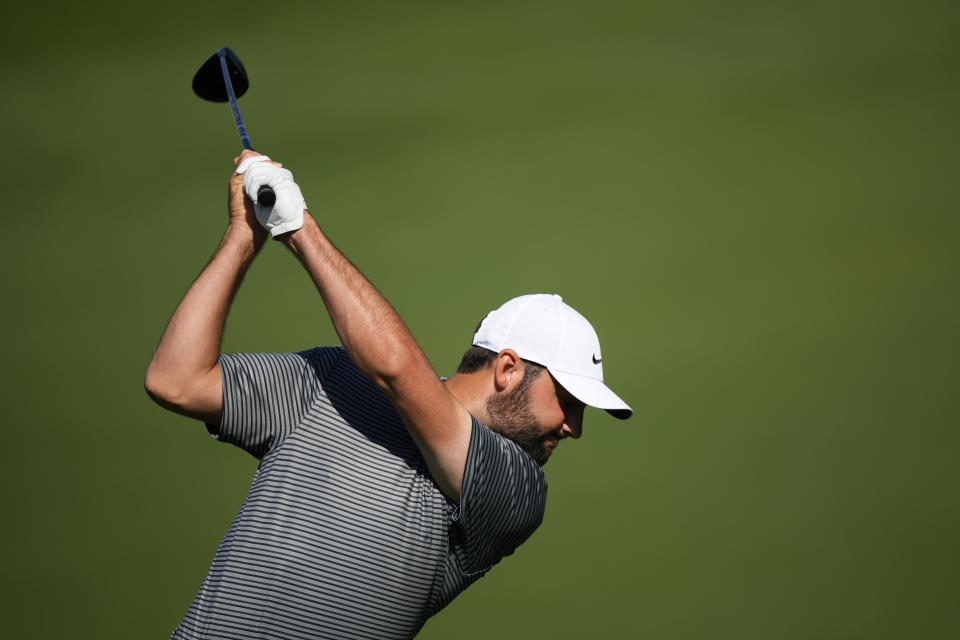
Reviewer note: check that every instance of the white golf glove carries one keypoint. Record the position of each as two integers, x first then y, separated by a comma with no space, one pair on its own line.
287,213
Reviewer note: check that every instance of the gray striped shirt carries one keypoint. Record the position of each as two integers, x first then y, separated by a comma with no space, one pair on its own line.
343,533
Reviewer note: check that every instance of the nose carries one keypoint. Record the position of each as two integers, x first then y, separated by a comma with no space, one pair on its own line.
572,426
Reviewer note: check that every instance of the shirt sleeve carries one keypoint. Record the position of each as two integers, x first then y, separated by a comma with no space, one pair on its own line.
266,395
502,500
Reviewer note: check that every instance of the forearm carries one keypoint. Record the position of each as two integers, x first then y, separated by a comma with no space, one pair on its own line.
372,332
191,342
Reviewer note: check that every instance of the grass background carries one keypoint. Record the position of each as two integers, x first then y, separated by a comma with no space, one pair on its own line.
754,202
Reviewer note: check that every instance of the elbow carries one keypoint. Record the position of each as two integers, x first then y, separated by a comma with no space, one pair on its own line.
162,390
155,386
395,364
194,397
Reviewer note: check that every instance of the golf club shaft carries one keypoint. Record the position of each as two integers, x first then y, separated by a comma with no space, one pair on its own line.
265,195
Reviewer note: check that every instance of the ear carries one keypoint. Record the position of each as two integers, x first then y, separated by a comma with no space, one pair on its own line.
507,370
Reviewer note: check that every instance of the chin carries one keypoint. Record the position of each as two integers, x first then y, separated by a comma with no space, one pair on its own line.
542,455
527,435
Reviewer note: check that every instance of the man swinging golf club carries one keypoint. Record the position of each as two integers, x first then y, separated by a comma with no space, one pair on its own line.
383,491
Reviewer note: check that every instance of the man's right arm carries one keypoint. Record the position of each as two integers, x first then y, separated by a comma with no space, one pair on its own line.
184,375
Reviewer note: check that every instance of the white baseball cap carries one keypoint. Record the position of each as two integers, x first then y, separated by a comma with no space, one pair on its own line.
544,329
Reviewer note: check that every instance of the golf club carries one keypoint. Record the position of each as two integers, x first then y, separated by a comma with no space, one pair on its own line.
222,78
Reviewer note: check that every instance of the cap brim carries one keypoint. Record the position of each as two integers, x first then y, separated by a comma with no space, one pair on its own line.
593,393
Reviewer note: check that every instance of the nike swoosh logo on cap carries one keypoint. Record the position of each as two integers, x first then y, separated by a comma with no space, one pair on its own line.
597,360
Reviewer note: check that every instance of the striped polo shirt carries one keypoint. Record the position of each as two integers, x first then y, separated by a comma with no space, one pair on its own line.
343,533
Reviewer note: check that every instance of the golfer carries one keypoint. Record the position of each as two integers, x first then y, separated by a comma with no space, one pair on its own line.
383,490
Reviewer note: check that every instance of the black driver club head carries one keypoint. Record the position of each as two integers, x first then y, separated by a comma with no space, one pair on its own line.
222,78
208,81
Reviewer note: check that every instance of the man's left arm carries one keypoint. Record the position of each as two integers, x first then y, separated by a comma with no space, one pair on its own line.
382,346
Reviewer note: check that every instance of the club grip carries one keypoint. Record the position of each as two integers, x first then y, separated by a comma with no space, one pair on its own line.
266,197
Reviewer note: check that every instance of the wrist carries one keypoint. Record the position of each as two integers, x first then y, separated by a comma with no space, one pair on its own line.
247,240
294,240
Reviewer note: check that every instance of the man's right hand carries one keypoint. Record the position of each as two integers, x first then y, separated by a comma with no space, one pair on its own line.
286,214
241,210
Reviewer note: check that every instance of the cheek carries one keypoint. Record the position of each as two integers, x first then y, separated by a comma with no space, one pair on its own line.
546,407
550,417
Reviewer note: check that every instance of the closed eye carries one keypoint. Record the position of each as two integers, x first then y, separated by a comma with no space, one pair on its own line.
567,401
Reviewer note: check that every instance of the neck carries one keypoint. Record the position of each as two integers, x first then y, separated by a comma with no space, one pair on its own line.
470,390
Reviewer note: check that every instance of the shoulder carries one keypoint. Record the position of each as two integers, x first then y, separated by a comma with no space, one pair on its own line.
322,355
500,469
316,362
502,502
486,442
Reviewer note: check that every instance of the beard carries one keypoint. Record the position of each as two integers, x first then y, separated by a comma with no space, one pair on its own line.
511,417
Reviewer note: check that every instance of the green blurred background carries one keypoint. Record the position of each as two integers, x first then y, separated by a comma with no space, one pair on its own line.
755,203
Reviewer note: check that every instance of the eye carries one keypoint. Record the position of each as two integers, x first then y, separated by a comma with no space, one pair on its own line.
567,401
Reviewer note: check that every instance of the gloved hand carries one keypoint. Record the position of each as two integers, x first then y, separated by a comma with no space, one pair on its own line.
287,212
